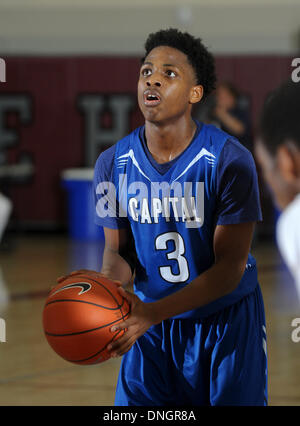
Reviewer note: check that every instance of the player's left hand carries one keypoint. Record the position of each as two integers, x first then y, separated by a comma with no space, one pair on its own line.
141,318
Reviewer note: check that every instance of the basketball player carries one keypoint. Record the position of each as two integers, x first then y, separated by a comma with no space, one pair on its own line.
186,195
278,152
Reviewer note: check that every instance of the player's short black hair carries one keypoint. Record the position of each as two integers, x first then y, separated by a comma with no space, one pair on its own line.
280,119
199,57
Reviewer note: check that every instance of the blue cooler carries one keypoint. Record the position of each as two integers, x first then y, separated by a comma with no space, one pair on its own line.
81,208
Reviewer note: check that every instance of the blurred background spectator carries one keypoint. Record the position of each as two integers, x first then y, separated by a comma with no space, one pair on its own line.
228,109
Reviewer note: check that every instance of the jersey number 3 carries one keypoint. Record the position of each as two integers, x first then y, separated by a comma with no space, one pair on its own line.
177,254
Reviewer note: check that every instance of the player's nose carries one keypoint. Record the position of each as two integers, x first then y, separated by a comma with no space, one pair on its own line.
153,82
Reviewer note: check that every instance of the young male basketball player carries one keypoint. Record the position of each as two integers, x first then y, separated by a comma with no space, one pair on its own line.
186,194
278,152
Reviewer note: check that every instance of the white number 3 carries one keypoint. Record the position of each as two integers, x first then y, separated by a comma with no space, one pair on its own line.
177,254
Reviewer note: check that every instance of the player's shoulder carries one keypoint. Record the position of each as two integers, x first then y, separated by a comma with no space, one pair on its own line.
230,143
107,157
212,137
236,159
230,149
234,150
104,164
213,133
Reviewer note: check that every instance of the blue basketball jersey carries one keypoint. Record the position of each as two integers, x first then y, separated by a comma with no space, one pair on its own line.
172,215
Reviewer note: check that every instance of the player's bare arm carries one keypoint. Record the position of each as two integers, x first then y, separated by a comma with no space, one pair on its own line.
114,265
231,247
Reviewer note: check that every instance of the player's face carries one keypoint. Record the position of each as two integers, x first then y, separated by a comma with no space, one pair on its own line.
269,166
167,85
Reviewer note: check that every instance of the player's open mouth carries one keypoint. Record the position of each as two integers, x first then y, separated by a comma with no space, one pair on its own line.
151,98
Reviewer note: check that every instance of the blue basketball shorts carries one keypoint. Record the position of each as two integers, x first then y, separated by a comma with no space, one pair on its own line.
219,360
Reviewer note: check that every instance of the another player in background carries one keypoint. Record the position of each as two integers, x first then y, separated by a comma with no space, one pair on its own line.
278,152
230,115
178,201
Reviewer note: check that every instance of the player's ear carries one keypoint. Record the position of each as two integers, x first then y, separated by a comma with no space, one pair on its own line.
196,94
288,161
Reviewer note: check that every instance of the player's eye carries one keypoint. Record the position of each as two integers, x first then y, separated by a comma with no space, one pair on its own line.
170,73
146,72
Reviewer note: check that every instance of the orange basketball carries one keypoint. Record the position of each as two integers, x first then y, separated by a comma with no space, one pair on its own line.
78,316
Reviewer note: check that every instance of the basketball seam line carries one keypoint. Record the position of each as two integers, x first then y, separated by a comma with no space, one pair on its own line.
84,301
86,331
102,285
97,353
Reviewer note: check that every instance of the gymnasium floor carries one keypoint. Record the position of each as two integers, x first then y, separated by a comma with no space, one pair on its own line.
32,374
